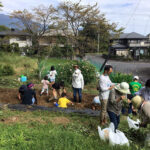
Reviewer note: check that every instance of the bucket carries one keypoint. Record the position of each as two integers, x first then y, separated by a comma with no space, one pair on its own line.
23,78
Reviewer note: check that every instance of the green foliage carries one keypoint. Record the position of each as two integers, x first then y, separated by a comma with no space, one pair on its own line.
2,27
6,70
14,47
66,70
62,52
120,77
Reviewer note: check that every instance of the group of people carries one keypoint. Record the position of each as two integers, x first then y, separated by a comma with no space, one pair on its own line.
114,95
28,96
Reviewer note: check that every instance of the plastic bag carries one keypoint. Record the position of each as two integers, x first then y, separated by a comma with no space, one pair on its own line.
118,138
133,124
104,133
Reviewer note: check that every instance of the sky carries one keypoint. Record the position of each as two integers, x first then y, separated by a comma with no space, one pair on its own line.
133,15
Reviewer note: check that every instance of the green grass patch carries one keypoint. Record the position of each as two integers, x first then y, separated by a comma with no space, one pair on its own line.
50,130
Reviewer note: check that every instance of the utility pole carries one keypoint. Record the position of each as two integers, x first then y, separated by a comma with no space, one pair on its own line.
98,43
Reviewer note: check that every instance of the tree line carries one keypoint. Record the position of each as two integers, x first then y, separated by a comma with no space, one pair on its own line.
84,26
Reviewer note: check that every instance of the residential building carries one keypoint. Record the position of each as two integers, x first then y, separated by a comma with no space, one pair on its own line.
133,44
15,36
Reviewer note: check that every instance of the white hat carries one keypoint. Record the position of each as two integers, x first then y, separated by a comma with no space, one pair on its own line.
136,77
123,87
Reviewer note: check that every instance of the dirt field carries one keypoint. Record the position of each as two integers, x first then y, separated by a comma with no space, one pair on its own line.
9,96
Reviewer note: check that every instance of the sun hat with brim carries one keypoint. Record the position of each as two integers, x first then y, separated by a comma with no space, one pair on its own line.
136,101
123,88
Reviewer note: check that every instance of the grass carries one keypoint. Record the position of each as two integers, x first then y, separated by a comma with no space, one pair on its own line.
49,130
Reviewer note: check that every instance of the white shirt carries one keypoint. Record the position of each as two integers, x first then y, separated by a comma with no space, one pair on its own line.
52,74
77,80
104,84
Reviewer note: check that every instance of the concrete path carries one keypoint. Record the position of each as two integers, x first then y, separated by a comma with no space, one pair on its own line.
142,69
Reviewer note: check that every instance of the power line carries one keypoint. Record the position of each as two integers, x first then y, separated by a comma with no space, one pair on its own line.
133,13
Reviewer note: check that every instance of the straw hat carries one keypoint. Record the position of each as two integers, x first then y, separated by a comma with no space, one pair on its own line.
136,101
123,87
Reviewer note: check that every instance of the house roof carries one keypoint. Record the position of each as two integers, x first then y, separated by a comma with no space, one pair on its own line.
13,32
132,35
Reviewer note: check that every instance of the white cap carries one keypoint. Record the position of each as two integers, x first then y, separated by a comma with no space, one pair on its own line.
136,77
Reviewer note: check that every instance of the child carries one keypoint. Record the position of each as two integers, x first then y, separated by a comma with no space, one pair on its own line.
63,101
58,89
45,85
52,75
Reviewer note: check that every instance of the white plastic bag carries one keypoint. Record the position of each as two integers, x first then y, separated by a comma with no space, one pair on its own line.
118,138
104,133
133,124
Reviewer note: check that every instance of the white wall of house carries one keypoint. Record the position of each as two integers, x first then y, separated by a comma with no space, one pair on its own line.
21,42
122,53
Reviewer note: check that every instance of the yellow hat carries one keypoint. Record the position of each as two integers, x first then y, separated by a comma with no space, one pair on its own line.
136,101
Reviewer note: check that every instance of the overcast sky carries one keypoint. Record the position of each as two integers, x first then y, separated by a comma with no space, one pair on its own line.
134,15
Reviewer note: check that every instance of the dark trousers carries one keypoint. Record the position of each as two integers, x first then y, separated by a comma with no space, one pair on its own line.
75,91
115,119
129,109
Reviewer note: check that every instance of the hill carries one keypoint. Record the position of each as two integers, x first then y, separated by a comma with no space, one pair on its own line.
7,21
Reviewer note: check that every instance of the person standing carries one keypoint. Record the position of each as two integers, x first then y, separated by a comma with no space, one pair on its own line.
105,85
135,86
77,84
115,102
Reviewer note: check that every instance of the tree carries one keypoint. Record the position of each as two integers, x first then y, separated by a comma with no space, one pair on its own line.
36,23
75,17
3,28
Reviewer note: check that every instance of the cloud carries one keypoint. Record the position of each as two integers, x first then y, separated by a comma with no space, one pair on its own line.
132,14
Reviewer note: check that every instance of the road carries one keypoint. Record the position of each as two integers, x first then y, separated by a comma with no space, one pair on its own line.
142,69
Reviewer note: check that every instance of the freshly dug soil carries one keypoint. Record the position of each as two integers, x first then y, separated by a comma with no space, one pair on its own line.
9,96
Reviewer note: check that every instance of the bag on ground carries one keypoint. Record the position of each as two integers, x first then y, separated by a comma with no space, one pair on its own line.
133,124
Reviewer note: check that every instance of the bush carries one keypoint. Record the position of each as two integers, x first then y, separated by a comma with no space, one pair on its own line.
120,77
66,70
7,70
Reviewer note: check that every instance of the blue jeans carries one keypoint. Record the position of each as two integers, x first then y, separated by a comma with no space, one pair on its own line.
75,91
115,119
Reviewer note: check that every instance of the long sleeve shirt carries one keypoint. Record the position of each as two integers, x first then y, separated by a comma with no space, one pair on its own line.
104,85
145,93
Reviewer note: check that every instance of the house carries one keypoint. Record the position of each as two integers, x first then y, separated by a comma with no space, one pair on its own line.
133,44
53,37
15,36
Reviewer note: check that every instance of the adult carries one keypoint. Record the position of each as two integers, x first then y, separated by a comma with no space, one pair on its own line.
145,91
29,96
115,102
21,91
77,84
58,89
105,85
143,108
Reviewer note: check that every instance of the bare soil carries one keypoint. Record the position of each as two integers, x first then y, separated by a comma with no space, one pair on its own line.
9,96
